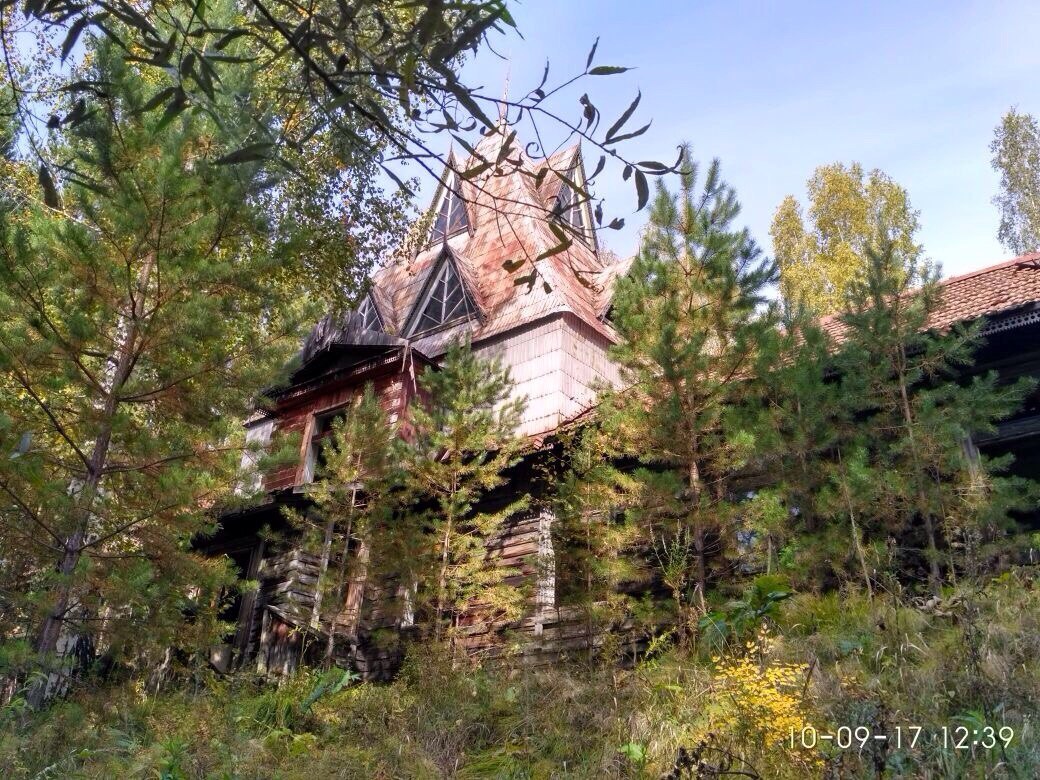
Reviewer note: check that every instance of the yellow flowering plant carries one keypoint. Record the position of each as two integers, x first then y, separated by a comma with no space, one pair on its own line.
763,702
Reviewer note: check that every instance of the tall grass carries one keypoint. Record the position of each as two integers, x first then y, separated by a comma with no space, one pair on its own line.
822,661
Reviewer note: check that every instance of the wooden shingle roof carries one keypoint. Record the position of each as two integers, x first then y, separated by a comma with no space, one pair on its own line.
996,289
507,223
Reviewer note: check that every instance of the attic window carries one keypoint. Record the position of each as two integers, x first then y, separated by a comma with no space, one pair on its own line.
445,300
570,208
451,217
369,316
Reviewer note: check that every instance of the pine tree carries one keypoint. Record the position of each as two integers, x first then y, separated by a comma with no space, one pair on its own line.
136,326
596,543
464,427
690,319
805,446
351,506
916,466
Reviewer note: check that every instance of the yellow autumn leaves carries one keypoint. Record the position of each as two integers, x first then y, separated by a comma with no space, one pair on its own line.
821,250
765,701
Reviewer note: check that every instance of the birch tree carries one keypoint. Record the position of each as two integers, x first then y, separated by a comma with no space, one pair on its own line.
1016,157
822,248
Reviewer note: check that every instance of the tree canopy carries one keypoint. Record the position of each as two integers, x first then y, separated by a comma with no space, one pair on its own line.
141,313
376,80
821,251
690,322
1016,157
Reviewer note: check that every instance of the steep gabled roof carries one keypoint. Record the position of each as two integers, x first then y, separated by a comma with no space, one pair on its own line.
507,221
996,289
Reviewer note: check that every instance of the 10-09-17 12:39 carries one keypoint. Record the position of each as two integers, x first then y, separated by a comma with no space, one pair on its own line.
858,737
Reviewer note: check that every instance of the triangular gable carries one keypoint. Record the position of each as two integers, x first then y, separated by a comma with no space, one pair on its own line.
369,314
443,300
570,207
450,215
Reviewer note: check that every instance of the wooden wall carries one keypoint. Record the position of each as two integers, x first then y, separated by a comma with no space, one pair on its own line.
586,366
556,363
296,415
286,635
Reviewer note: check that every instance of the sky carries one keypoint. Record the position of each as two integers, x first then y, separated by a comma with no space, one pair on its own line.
914,88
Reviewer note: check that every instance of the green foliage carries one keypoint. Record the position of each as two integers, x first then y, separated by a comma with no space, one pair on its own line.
329,684
828,661
691,319
906,461
869,437
596,542
350,510
821,254
136,324
1016,157
360,90
463,439
740,619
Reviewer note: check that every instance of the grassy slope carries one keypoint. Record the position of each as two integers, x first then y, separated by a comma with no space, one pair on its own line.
827,661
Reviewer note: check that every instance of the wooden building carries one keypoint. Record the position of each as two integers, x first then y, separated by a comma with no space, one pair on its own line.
553,333
1006,296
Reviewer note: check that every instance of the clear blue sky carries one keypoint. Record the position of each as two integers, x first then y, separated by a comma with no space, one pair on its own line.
775,89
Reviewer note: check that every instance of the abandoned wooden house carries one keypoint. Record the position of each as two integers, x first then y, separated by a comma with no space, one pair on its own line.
555,338
552,334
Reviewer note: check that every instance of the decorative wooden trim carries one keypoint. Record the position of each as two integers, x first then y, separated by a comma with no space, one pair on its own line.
1026,315
545,572
305,446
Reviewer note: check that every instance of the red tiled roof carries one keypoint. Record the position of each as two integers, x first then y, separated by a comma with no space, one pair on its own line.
985,292
507,222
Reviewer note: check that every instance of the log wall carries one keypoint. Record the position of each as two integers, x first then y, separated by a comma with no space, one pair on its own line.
298,414
371,630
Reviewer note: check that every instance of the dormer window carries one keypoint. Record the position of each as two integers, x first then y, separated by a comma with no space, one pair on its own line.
445,300
370,319
451,216
570,209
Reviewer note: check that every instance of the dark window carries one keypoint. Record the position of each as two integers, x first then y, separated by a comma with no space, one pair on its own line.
369,316
446,300
570,208
321,437
451,217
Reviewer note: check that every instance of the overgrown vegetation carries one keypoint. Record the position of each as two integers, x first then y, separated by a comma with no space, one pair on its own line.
830,661
789,518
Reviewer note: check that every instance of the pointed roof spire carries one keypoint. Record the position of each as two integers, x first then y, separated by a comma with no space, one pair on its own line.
503,108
